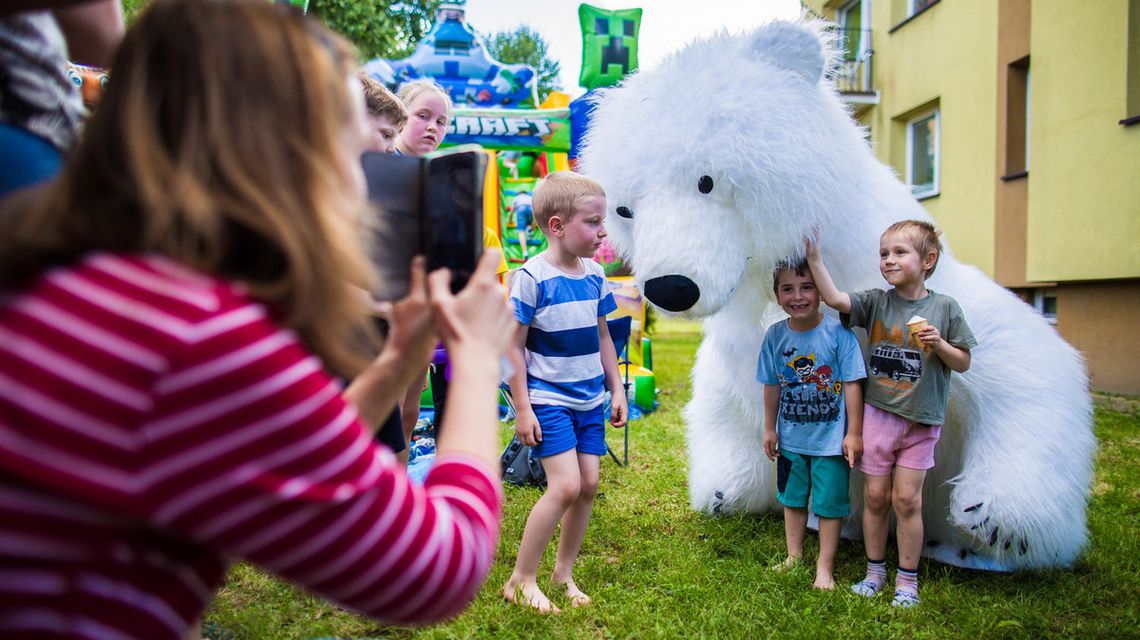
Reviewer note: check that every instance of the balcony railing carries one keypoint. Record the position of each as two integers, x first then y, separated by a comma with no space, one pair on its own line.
853,73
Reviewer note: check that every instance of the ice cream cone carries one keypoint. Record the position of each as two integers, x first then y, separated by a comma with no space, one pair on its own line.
915,325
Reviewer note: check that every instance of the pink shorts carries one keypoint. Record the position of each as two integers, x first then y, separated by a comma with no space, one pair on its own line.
890,440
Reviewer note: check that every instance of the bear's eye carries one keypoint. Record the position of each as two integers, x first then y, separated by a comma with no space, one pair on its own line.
705,184
624,212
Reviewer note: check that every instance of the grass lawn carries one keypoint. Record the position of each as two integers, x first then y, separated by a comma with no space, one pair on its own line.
656,569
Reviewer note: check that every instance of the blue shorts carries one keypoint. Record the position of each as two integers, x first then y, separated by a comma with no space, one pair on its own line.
524,216
27,159
564,429
824,478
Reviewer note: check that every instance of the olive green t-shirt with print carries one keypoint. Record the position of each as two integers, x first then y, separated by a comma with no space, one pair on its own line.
903,377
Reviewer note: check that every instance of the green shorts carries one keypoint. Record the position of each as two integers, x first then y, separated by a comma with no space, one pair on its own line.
824,478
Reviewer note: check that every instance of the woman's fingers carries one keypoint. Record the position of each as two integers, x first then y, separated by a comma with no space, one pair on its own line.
418,276
439,285
488,264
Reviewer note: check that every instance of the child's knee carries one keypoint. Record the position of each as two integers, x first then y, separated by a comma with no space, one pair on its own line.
588,488
565,491
906,502
877,500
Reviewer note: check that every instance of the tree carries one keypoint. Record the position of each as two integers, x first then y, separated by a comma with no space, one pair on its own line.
131,9
526,46
413,20
379,29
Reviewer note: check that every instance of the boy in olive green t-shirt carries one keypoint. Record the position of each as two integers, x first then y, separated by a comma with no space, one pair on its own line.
916,337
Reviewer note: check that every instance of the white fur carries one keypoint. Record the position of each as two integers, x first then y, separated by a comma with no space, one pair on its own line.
755,113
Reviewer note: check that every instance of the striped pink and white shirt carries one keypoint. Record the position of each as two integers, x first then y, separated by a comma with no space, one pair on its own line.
155,423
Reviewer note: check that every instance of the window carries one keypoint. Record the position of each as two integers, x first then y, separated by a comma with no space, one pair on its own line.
851,24
917,6
922,150
1017,120
853,74
1045,302
903,11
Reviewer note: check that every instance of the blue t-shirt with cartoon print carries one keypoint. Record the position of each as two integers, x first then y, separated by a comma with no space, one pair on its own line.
810,367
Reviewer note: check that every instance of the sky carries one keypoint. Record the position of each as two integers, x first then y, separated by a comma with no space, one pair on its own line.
666,25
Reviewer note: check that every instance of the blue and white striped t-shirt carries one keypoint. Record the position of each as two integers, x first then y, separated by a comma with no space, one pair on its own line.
563,354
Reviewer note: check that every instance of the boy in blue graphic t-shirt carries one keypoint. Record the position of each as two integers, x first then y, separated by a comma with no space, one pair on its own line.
810,366
561,302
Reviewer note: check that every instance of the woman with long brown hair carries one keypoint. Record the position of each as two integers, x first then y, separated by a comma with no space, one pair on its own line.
169,313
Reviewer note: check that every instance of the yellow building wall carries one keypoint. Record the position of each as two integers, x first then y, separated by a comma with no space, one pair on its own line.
1082,217
1084,167
946,57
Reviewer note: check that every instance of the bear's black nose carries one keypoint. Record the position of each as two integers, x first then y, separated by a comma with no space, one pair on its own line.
672,293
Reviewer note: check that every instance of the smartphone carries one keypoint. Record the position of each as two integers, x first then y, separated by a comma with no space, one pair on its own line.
430,206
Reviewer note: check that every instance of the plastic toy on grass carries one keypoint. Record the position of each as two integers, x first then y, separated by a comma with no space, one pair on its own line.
636,358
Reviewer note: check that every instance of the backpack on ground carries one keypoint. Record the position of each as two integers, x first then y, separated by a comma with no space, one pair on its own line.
521,466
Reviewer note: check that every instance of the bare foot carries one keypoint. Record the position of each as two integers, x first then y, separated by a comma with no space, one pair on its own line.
576,596
789,563
824,580
527,594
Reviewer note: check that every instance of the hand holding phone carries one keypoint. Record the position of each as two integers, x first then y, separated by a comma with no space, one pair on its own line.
431,206
478,320
411,333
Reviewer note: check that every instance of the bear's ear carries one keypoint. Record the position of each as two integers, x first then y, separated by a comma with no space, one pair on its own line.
791,46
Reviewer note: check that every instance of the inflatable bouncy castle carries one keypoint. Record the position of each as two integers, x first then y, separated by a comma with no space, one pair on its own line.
497,108
453,55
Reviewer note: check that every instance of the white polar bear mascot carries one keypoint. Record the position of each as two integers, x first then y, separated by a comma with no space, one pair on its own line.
718,163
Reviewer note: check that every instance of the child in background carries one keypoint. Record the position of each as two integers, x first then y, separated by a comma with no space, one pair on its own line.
561,302
906,392
386,118
429,113
41,108
386,115
810,366
523,207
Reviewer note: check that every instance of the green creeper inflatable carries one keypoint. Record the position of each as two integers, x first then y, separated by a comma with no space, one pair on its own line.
609,45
